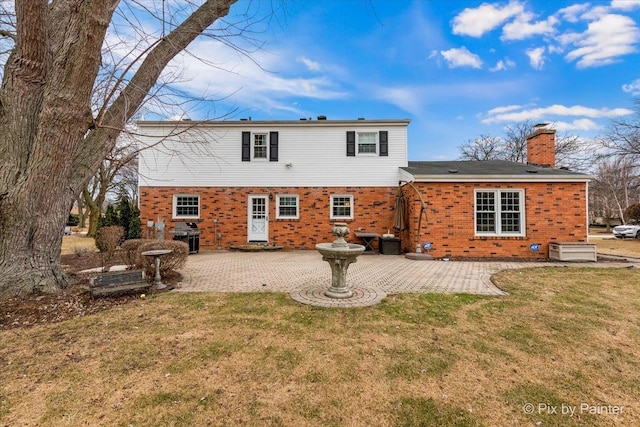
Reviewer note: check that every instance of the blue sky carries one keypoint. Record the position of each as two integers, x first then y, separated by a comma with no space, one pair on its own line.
457,69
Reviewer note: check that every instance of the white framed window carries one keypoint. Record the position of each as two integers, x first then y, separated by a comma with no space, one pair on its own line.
287,206
341,206
260,148
367,142
186,206
499,212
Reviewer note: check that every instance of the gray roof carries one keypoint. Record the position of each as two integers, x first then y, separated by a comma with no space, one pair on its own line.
468,169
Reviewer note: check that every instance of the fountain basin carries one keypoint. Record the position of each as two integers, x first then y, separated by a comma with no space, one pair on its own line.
339,258
330,251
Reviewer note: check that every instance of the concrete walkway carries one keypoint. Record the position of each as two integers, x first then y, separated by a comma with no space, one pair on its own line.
304,275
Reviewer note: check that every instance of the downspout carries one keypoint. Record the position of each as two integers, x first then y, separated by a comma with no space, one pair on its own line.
423,210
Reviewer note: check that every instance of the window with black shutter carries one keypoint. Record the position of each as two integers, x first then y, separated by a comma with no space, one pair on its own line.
351,143
384,142
246,146
273,146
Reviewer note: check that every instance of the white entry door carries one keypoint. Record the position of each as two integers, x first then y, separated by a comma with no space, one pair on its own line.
258,222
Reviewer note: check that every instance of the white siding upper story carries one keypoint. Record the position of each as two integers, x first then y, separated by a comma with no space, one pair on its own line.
310,153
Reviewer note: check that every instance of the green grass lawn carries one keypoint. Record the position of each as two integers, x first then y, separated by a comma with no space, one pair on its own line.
564,339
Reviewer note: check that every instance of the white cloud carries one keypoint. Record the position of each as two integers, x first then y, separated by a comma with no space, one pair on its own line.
220,71
606,39
510,114
503,65
504,109
408,98
573,12
461,58
595,13
311,65
522,28
477,21
633,88
625,4
579,124
536,57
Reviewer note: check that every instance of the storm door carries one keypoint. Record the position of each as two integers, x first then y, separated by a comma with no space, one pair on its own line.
258,219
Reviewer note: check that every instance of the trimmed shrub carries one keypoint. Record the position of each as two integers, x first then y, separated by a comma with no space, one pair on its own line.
129,252
108,238
173,261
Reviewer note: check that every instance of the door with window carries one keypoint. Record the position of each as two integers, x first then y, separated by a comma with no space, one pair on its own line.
258,219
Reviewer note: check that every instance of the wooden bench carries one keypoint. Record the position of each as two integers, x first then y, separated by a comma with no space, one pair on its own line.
118,281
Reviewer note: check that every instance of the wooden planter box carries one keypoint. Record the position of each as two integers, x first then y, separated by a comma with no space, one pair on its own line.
573,251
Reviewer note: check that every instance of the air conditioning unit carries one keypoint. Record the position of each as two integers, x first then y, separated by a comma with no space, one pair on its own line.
573,251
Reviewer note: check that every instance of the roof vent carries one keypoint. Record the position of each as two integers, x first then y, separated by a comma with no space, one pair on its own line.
453,170
532,170
244,120
302,119
322,117
360,118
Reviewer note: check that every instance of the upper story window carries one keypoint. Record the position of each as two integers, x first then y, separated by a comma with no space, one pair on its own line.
259,145
341,206
186,206
499,212
367,143
287,207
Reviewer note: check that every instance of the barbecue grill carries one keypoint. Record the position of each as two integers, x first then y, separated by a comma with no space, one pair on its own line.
187,232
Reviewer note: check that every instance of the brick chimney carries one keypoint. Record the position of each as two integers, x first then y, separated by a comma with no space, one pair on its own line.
541,146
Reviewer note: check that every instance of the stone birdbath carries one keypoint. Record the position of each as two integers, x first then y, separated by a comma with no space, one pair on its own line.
156,254
339,254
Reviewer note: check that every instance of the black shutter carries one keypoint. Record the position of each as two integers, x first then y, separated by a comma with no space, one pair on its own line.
246,146
273,146
384,142
351,143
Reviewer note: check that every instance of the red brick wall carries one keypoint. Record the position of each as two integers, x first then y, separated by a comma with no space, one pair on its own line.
372,212
541,146
553,212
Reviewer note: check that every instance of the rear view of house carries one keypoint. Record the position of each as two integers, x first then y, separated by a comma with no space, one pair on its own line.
286,182
276,182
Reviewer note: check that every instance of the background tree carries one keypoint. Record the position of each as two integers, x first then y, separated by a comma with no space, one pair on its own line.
632,213
51,139
614,188
116,174
622,138
571,151
617,177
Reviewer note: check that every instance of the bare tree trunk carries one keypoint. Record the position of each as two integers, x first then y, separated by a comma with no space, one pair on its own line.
82,220
50,143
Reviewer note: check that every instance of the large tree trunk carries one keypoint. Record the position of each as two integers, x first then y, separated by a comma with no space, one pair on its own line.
50,143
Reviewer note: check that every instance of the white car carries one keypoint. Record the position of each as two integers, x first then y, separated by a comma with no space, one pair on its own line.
629,230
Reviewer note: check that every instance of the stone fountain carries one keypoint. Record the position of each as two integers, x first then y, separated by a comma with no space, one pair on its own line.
339,254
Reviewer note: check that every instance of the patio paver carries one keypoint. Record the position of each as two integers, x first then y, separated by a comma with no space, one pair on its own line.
304,275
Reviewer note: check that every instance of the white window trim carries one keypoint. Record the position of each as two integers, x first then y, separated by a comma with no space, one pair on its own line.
175,207
331,215
376,137
297,215
253,146
498,212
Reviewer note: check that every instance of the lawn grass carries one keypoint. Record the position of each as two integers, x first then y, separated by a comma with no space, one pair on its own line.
613,246
562,338
77,242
